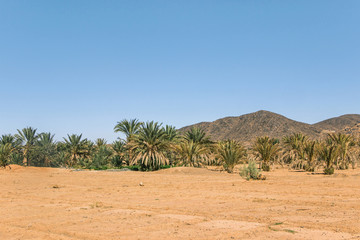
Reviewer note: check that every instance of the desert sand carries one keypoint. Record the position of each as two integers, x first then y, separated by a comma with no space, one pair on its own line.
177,203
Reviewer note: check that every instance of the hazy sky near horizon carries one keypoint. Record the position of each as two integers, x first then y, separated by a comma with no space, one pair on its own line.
76,66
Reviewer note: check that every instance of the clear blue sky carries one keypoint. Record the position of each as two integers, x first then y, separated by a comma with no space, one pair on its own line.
80,66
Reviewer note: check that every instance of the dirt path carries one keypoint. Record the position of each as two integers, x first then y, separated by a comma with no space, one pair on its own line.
177,203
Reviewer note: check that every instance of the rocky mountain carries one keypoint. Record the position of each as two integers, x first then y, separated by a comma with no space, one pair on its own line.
249,126
339,123
354,130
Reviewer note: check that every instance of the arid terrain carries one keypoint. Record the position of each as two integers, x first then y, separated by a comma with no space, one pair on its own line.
177,203
247,127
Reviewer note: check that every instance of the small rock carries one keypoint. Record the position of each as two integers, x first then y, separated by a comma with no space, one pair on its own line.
141,184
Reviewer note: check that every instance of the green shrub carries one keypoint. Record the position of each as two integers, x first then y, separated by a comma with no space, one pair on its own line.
250,171
165,166
132,167
117,161
329,171
265,168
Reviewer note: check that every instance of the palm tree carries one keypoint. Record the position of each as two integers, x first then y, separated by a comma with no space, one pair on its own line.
128,127
173,138
197,135
100,142
12,140
194,147
344,142
76,147
171,133
118,147
329,152
46,148
45,139
16,155
266,149
191,152
119,150
311,152
230,152
5,152
100,158
149,146
28,136
296,146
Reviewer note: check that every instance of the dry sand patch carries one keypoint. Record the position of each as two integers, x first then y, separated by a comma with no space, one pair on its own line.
177,203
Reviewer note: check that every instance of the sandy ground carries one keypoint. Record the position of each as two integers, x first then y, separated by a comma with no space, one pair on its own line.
177,203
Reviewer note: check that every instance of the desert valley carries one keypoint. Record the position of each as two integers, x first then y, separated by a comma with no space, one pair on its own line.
196,185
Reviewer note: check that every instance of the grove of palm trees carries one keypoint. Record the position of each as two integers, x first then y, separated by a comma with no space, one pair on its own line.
150,146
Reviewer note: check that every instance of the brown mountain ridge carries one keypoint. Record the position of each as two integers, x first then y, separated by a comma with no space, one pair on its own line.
249,126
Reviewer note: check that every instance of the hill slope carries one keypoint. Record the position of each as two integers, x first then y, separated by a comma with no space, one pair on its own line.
339,123
249,126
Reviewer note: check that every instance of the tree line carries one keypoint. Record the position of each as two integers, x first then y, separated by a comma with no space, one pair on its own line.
150,146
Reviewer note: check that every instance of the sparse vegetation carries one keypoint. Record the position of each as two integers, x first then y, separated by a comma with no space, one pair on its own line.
344,144
250,171
194,147
329,153
266,150
191,153
230,153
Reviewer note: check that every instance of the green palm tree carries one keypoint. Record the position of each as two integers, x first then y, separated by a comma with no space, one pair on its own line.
28,137
173,137
118,147
296,148
191,153
120,151
197,135
46,147
194,147
171,133
100,159
266,149
128,127
345,143
76,147
149,146
328,152
16,155
311,152
5,152
11,139
230,152
100,142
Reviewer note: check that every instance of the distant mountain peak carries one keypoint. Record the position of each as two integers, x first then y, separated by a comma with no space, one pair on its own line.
249,126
